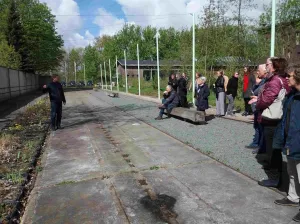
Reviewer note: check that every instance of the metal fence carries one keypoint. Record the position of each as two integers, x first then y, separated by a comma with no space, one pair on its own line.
15,83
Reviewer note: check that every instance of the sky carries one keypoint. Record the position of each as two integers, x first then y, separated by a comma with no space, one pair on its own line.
80,21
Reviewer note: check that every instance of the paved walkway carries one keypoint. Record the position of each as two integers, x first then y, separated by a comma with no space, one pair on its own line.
105,163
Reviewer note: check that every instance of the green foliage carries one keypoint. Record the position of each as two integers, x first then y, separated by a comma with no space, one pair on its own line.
8,56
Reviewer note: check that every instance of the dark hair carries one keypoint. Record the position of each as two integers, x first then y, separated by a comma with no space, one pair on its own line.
221,72
280,65
54,76
297,75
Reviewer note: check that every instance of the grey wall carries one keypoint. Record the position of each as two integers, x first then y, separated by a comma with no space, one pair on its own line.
15,83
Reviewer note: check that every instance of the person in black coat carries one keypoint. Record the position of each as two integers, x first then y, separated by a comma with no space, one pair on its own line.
231,93
201,94
182,90
173,82
220,94
57,97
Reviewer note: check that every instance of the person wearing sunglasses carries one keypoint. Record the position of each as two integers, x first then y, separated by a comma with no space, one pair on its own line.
287,137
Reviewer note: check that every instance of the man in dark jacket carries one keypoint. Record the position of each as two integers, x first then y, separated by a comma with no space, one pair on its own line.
170,101
182,90
57,97
287,138
173,82
220,94
231,92
248,83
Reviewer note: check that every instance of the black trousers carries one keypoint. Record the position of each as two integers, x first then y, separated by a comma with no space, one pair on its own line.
274,155
247,105
56,112
183,99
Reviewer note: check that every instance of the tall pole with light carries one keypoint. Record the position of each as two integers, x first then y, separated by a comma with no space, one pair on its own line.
139,74
117,75
194,68
126,79
272,53
101,76
157,55
110,75
105,76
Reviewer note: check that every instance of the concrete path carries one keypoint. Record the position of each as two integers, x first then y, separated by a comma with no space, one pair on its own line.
105,165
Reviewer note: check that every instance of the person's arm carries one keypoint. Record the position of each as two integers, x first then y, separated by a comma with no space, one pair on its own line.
206,92
268,95
170,99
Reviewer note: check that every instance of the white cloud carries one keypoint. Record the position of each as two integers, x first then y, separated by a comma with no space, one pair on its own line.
69,26
109,24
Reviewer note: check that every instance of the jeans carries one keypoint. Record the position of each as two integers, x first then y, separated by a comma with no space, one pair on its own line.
258,135
274,155
293,168
56,112
220,103
230,104
168,107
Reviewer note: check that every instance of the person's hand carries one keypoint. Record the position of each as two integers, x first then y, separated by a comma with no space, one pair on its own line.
45,86
64,103
252,101
253,97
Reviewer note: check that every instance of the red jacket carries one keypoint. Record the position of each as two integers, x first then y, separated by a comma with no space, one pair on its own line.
269,93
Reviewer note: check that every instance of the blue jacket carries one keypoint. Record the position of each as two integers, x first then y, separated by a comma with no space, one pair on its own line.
287,134
172,99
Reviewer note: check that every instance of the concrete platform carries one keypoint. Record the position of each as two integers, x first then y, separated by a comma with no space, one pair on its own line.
98,168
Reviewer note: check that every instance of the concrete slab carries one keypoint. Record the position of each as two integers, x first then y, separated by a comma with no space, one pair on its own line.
84,202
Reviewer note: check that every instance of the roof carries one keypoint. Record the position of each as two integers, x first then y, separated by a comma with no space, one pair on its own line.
149,63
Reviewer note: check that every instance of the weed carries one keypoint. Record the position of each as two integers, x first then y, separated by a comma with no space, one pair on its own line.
66,182
39,169
154,168
15,177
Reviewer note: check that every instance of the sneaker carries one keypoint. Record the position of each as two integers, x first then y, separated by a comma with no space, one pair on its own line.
158,118
286,202
252,146
297,217
269,183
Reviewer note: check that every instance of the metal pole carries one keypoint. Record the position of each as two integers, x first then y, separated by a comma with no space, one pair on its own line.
139,75
273,28
117,74
105,76
84,74
126,72
157,55
101,76
110,74
75,71
194,69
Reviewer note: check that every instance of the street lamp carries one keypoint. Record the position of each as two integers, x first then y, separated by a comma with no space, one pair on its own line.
273,28
157,36
194,69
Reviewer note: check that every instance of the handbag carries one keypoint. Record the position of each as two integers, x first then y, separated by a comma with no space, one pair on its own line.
275,110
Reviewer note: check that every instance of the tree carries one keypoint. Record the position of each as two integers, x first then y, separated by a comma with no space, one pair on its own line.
91,61
8,56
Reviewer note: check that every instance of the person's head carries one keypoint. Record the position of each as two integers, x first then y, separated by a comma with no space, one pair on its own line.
201,80
173,76
177,76
197,75
169,88
246,70
236,75
183,75
261,71
279,65
294,78
219,73
269,65
55,78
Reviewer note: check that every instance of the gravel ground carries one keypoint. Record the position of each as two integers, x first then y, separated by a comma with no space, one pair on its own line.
222,139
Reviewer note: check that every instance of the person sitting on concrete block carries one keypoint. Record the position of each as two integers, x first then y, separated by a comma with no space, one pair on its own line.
170,101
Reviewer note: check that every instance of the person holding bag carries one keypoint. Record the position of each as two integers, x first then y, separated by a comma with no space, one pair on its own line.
269,104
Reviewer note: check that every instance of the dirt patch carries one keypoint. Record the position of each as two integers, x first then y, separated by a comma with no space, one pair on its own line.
162,207
125,155
142,182
20,147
